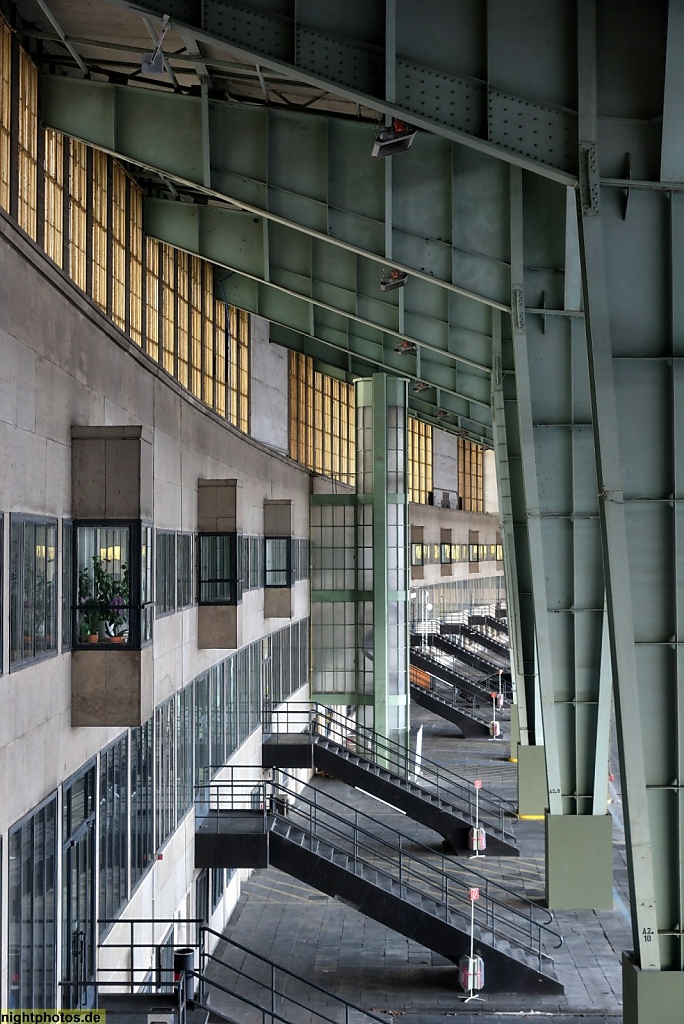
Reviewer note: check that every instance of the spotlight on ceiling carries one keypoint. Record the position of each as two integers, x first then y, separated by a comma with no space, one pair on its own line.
405,348
392,279
420,385
152,64
393,138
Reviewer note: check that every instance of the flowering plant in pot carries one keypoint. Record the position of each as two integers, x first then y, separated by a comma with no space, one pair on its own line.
103,603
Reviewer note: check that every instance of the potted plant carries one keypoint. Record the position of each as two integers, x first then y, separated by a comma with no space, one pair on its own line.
112,595
89,610
103,603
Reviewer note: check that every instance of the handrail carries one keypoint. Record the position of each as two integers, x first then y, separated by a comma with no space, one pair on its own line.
445,660
290,974
454,789
201,945
416,875
476,707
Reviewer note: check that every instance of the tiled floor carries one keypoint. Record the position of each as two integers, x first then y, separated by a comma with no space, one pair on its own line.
333,945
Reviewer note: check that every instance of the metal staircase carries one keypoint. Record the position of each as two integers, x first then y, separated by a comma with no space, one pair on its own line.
482,659
222,980
471,714
427,792
444,667
367,864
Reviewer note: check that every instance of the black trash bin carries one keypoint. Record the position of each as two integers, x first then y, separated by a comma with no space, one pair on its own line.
183,963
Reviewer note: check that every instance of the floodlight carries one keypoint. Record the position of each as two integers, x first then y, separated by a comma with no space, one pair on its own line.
154,63
405,348
393,279
393,138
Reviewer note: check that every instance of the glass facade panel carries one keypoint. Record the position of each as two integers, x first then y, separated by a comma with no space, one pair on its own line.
113,830
218,568
165,593
165,758
33,588
104,605
32,909
141,801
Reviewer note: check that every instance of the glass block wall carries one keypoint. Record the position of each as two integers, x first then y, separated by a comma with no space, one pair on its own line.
359,551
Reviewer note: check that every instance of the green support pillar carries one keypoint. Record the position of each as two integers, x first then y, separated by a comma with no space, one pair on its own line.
579,862
382,547
650,996
532,795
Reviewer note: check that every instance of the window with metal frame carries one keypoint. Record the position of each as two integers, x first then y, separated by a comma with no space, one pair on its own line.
27,139
53,203
5,112
33,588
32,908
113,830
184,570
277,562
219,581
165,774
165,576
78,216
67,583
141,801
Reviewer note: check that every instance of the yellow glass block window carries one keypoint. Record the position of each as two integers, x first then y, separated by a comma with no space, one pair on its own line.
28,144
168,308
243,359
208,337
78,218
220,358
321,420
152,298
182,314
5,112
53,240
233,331
419,460
119,256
470,478
135,269
196,326
100,218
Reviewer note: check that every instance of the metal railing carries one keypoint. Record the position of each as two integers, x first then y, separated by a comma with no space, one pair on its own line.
478,678
479,708
370,845
328,725
267,997
271,987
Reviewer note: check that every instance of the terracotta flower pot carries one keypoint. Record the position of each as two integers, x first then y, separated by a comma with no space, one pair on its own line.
93,638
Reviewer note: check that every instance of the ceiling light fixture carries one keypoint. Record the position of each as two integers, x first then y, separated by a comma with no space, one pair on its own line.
442,414
420,385
392,279
393,138
155,63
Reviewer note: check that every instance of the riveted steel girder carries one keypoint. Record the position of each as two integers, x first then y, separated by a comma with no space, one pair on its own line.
448,70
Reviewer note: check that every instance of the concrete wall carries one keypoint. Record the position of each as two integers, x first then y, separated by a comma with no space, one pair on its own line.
269,394
63,363
444,461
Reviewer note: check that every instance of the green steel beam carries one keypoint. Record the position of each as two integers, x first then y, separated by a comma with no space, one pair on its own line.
311,175
640,719
407,70
504,471
532,497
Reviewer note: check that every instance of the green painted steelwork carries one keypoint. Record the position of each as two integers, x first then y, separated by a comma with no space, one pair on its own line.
579,861
532,792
